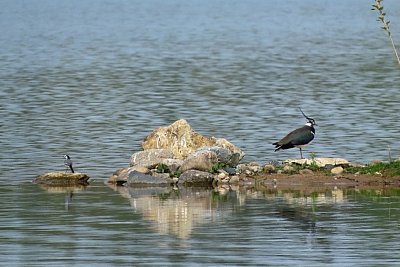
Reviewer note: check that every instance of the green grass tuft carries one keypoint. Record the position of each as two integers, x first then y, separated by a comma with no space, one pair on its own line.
384,168
217,166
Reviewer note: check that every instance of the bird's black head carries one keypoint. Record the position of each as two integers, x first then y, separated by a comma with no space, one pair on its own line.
66,157
310,121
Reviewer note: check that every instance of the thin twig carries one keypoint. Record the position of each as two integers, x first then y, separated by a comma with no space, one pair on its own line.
378,7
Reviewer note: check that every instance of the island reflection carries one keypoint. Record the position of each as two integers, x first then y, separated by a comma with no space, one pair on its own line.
177,212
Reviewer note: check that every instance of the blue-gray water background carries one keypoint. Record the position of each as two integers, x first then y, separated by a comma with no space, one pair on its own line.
93,78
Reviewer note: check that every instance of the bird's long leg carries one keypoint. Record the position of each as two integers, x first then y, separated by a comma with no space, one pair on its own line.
301,154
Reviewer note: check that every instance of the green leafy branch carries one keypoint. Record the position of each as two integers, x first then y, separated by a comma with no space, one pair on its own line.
378,7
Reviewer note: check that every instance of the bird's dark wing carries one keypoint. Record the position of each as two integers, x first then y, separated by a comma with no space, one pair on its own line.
298,137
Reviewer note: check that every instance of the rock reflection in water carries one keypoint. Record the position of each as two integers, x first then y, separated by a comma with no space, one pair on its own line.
177,211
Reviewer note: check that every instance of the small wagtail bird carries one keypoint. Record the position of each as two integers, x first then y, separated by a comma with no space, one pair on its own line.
299,137
68,163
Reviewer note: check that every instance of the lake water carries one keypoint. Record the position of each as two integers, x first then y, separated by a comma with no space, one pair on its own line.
100,226
93,78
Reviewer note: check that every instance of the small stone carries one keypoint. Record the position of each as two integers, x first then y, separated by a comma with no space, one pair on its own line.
254,167
306,172
225,181
329,167
249,168
221,175
337,170
240,168
269,168
288,168
234,179
223,171
230,170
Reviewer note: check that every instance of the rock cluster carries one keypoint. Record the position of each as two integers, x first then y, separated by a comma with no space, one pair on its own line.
177,154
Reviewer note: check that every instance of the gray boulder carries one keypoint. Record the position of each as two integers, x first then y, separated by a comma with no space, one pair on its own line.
237,153
120,176
223,154
195,177
202,160
150,158
136,178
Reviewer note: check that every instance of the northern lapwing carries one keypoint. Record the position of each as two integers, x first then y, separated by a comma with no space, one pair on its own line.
68,163
299,137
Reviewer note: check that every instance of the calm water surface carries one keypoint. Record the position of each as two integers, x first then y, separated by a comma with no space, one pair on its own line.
162,226
93,78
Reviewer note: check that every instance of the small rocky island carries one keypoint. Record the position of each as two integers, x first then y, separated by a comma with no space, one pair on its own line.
62,179
177,155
